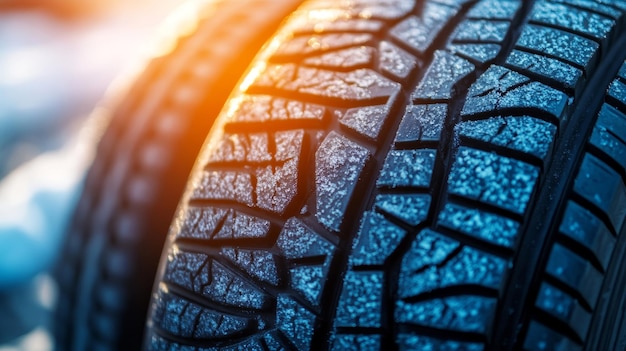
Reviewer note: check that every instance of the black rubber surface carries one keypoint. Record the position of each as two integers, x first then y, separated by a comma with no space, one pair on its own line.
143,160
441,175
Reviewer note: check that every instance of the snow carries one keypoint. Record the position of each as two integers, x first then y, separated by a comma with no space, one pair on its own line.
396,61
408,342
493,179
376,241
461,313
420,32
407,168
410,208
480,224
422,123
447,268
445,71
355,57
571,48
367,121
360,303
526,134
338,166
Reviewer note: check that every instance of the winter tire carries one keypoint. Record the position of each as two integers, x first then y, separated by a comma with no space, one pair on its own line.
433,175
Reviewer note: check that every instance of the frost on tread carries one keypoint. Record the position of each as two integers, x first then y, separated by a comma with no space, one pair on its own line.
373,184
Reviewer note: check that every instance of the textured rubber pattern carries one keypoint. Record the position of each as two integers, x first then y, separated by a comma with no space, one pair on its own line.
411,176
139,173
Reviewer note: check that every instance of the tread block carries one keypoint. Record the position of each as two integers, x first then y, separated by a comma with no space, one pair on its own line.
251,344
575,272
526,134
295,322
500,88
407,168
386,9
273,341
360,303
409,208
481,31
254,148
339,164
603,187
297,241
565,308
185,319
569,76
357,85
367,121
478,53
574,49
422,123
368,342
226,186
574,19
241,148
619,4
429,249
200,274
356,57
442,75
419,33
617,90
258,264
471,314
159,344
308,281
395,61
483,225
495,10
318,44
593,6
458,268
496,180
586,229
453,3
264,108
326,20
540,338
377,239
408,342
288,145
276,187
217,223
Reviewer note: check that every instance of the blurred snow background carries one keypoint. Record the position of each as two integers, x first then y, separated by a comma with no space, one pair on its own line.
56,61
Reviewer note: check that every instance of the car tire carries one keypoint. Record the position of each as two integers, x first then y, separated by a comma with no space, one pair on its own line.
432,175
